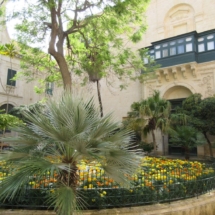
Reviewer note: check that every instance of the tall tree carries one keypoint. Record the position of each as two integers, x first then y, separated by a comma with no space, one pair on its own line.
56,139
100,55
62,18
202,112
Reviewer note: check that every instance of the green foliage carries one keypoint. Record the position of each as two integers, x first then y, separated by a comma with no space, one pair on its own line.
95,43
202,115
146,147
56,139
148,115
8,50
7,120
186,136
19,111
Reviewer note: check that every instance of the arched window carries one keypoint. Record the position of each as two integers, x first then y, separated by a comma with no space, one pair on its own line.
5,108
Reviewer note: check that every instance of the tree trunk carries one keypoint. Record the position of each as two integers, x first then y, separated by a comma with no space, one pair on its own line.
209,144
99,98
58,35
66,76
187,153
70,178
154,142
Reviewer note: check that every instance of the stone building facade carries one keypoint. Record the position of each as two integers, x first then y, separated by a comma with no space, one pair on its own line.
181,38
13,93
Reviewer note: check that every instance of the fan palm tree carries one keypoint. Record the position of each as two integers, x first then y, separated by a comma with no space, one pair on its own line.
56,139
149,115
156,112
186,137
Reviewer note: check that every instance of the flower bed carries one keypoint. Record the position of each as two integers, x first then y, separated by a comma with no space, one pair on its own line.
156,180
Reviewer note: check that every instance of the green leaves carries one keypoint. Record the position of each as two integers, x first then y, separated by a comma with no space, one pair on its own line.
186,136
149,115
7,120
9,50
60,136
97,43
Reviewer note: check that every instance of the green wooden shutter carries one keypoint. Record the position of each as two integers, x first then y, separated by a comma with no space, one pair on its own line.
10,74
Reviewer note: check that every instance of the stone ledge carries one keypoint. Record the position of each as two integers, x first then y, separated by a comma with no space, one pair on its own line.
203,205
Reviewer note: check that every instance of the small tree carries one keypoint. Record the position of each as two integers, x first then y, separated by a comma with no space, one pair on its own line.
202,115
149,115
7,121
187,137
70,130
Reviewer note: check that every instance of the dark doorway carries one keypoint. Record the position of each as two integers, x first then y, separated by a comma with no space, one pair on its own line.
178,150
4,107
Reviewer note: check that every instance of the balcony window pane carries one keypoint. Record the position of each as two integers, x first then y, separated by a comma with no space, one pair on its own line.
157,47
181,41
201,39
210,45
210,36
201,47
165,52
173,51
188,39
157,54
189,47
181,49
152,51
165,45
146,60
172,43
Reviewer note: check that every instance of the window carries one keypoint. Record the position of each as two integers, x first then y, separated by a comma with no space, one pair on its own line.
210,37
173,51
181,41
146,60
157,47
180,49
188,39
210,45
201,39
157,54
189,47
165,52
165,44
6,108
201,47
11,74
49,88
172,43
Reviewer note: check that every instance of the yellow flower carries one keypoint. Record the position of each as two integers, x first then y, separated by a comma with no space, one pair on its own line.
85,187
32,183
104,192
93,200
90,186
101,195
